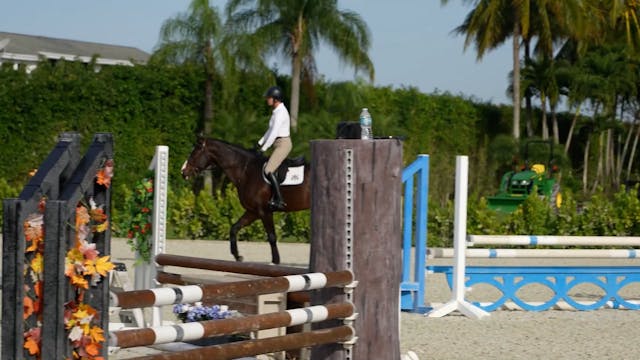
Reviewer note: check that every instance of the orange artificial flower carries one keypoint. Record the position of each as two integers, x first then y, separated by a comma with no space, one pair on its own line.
79,281
103,265
32,346
92,349
98,215
32,341
28,307
97,334
82,216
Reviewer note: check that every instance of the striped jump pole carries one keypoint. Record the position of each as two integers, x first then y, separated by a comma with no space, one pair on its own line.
261,346
236,267
301,297
537,253
209,292
205,329
548,240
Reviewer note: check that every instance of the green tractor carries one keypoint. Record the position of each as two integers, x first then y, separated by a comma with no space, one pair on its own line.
517,185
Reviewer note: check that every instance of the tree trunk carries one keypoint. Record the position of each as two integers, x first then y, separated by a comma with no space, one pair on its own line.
625,149
296,73
527,93
600,157
633,153
567,145
545,126
207,126
585,162
516,81
610,160
554,123
296,70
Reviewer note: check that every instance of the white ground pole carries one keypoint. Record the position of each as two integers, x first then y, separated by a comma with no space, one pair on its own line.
533,240
145,274
459,240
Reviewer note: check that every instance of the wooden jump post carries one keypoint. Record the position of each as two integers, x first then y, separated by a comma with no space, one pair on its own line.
355,225
64,179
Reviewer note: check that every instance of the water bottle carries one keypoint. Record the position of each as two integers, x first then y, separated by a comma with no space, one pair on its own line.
365,125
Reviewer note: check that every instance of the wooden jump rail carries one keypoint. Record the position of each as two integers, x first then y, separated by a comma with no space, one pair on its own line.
262,346
298,298
246,268
205,329
193,293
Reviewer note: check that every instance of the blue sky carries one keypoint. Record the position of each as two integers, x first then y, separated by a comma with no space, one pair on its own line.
412,44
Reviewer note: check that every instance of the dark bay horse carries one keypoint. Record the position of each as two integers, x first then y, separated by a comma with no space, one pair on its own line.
244,169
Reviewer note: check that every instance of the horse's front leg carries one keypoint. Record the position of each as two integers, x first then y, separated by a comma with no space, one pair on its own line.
267,222
246,219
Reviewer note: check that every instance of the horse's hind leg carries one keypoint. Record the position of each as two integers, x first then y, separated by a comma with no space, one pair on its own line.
246,219
267,222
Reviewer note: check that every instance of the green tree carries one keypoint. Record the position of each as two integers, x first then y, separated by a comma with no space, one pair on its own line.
195,36
295,28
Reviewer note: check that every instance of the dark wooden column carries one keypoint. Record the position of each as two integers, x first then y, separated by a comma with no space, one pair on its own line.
356,195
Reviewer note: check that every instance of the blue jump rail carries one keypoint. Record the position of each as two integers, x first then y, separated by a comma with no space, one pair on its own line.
412,288
559,279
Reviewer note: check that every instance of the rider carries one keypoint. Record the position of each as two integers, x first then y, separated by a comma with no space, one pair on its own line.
277,135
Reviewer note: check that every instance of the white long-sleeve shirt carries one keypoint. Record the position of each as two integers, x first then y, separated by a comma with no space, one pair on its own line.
278,127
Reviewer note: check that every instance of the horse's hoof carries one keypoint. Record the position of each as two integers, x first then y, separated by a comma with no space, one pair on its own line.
239,258
275,261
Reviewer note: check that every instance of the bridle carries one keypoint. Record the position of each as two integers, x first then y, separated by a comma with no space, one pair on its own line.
197,168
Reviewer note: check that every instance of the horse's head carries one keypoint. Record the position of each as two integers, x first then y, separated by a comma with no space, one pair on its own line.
197,161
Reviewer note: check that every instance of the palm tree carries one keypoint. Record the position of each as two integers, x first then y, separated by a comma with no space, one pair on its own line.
623,14
552,23
194,37
295,28
492,22
489,25
539,76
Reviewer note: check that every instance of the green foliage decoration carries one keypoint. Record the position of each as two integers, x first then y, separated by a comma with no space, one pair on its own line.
137,225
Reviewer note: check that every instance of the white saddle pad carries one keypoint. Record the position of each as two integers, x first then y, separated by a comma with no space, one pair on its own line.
295,176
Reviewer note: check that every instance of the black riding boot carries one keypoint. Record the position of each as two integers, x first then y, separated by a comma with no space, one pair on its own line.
276,201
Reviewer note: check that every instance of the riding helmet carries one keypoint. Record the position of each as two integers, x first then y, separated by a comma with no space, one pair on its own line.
275,93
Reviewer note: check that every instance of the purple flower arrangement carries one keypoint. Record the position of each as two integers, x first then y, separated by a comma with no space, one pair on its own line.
199,312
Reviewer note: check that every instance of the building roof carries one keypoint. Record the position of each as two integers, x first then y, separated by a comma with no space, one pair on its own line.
42,45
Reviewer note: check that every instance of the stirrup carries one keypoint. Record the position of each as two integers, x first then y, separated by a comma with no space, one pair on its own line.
277,205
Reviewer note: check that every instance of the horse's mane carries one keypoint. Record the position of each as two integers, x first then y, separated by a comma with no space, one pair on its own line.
239,148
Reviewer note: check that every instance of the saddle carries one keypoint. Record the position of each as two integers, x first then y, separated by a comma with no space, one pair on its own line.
290,172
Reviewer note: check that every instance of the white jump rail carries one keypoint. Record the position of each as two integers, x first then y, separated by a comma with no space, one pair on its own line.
435,253
549,240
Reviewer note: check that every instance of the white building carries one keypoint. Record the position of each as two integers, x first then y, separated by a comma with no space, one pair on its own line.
28,50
